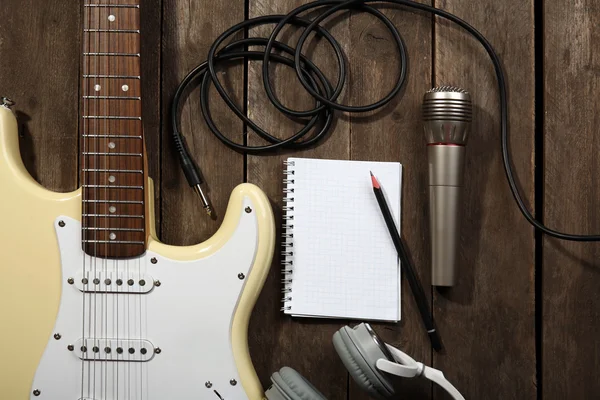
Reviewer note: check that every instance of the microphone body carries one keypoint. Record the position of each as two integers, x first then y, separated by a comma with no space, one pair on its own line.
447,114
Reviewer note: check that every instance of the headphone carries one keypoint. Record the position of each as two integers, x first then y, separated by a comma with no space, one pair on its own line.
368,360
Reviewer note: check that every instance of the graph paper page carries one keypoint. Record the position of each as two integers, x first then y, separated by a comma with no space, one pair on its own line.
344,261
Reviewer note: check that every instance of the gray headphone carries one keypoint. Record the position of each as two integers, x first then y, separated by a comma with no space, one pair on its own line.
368,360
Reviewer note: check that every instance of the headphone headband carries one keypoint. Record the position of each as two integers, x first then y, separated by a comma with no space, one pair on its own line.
406,367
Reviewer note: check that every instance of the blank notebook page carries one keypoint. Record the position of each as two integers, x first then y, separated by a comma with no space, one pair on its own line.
344,264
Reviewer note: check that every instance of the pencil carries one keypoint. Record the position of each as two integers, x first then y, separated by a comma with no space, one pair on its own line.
406,265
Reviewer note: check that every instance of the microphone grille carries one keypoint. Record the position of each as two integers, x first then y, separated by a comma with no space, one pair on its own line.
447,89
447,103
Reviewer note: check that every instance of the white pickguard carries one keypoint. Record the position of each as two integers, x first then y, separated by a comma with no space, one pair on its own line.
188,317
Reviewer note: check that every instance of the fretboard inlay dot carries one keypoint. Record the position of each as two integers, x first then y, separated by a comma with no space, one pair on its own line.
125,88
112,179
112,236
112,209
97,88
112,18
111,145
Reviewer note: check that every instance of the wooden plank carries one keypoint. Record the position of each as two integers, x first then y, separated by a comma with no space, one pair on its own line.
395,133
277,340
571,307
487,319
38,73
189,30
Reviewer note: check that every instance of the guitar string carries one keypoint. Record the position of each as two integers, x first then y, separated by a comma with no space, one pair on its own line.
139,298
116,296
85,89
106,211
95,181
120,125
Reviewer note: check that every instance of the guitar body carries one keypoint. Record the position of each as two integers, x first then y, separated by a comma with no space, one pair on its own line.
174,328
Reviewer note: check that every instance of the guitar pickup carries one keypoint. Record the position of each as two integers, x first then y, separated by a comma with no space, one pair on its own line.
118,282
125,350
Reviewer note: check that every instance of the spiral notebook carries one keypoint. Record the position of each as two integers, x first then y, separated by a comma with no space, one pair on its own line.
338,257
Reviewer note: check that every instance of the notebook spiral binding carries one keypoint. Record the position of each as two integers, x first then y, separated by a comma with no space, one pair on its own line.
287,253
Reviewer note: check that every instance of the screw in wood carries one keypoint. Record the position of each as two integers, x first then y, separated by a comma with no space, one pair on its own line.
241,276
70,281
70,347
208,384
158,350
248,210
233,382
153,260
61,224
57,336
157,283
36,392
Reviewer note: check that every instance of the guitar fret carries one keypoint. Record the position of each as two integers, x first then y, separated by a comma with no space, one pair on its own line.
113,229
91,153
111,117
113,5
113,187
136,171
114,201
113,136
112,30
112,216
113,76
112,54
112,241
112,98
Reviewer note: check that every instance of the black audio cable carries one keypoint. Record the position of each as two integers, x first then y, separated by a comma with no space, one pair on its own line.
318,121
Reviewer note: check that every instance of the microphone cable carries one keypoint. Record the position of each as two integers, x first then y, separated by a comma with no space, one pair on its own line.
318,121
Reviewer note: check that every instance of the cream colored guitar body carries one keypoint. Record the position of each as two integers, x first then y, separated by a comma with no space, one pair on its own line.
35,255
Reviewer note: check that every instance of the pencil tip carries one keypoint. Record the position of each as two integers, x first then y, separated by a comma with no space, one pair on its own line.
371,172
374,181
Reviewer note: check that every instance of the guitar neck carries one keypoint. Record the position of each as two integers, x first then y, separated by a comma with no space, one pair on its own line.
113,173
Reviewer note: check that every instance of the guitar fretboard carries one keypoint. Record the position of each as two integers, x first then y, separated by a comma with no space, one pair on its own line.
112,147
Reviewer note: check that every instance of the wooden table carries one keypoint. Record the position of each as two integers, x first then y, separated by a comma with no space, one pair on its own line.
523,320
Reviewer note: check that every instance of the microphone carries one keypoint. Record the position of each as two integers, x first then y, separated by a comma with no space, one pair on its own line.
447,114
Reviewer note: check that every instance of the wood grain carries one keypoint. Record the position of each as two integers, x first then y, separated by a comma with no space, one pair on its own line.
571,307
487,319
189,30
38,72
276,339
395,133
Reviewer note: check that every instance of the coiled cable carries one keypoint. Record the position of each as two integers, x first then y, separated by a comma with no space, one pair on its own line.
318,120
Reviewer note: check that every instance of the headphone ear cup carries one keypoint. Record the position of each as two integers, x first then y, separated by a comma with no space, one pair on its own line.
290,385
360,364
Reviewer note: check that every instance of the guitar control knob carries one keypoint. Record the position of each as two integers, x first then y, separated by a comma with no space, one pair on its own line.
6,102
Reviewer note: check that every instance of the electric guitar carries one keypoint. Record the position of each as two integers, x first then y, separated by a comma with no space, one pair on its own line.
92,305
